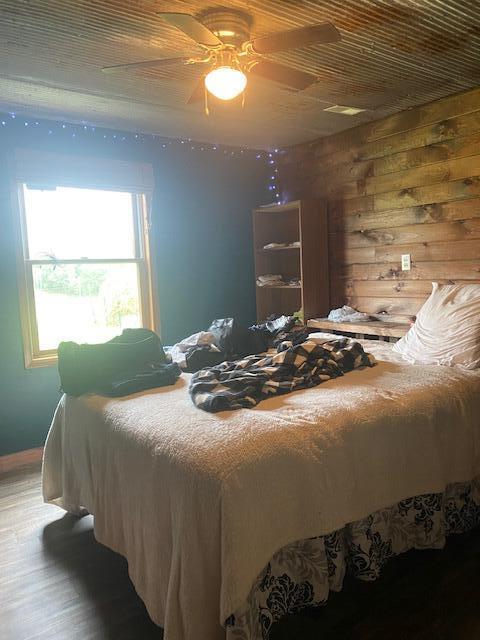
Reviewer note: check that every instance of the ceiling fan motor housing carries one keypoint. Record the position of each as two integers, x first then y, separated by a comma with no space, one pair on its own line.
232,27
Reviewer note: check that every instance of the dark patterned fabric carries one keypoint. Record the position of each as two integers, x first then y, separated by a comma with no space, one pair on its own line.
302,574
244,383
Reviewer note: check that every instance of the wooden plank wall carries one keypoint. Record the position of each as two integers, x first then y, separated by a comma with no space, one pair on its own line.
407,184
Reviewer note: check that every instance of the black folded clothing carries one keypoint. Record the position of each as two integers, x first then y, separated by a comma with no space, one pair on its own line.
274,330
296,336
92,367
274,325
235,340
202,357
159,376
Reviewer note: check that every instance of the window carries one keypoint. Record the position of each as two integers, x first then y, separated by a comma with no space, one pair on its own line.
84,266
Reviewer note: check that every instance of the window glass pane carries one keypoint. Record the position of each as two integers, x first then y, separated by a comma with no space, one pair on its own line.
85,302
68,223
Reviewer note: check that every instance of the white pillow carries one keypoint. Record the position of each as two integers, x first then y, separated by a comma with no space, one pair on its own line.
447,329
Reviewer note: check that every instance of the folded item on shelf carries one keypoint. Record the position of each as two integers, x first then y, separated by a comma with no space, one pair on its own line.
347,314
294,282
270,276
269,279
281,245
275,245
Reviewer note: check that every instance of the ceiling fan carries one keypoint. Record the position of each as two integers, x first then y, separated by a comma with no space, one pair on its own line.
230,54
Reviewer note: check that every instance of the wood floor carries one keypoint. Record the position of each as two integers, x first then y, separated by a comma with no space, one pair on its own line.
58,583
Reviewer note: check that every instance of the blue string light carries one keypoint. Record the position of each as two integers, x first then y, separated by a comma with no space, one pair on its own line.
76,131
272,163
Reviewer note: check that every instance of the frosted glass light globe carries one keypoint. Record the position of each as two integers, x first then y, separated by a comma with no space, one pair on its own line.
226,83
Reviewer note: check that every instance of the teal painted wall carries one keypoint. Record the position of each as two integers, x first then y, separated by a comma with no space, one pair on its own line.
203,257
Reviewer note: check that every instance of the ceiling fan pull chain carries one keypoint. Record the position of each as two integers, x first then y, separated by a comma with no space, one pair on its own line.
207,111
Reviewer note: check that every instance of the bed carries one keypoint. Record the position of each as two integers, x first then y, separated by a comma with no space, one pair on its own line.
229,521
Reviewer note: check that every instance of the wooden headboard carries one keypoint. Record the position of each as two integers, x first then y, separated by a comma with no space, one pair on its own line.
407,184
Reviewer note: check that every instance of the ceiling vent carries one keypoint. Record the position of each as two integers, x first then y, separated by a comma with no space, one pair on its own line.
346,111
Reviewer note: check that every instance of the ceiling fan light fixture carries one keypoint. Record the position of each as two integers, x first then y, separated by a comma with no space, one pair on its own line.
225,83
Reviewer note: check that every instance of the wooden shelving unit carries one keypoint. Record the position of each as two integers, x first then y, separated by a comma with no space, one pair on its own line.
304,221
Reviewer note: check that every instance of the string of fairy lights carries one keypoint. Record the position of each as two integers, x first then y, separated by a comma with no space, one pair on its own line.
74,131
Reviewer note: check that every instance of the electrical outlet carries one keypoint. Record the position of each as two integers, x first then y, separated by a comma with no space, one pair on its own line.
406,262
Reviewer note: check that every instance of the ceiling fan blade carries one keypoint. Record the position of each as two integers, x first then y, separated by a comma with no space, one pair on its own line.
283,74
162,62
193,28
198,93
305,36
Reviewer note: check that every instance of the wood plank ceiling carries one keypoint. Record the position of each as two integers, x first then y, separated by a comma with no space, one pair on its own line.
394,54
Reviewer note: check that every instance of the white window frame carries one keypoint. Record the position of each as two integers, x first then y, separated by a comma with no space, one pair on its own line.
141,202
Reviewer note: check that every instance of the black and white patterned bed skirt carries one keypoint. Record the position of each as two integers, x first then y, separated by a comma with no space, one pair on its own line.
302,573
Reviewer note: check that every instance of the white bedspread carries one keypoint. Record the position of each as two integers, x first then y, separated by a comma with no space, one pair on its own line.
199,502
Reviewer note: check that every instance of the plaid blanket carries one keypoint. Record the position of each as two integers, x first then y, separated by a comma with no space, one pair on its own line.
244,383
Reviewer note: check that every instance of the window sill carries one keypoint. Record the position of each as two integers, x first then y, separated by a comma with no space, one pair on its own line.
41,361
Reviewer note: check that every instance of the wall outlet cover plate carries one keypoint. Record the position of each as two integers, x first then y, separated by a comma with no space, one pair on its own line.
406,262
